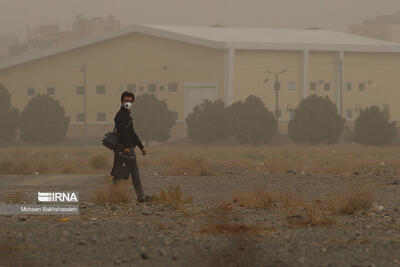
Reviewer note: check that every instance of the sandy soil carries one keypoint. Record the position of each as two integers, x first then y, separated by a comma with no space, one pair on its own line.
153,235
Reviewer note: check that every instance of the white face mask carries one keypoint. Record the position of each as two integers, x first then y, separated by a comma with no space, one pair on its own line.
128,105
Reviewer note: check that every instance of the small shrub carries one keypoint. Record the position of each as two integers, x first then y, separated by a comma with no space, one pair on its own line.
9,116
311,217
259,198
172,198
233,228
208,122
372,127
315,121
99,161
352,203
17,197
120,193
189,165
43,120
6,166
152,118
252,122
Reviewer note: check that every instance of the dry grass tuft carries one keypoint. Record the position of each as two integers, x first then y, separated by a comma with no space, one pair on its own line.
233,228
352,203
16,197
189,165
68,168
311,217
172,198
259,198
6,166
120,193
99,161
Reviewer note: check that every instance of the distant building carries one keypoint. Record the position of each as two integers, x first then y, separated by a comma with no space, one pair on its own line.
51,35
185,64
6,43
384,27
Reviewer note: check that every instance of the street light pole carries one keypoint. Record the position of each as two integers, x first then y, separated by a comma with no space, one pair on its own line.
277,88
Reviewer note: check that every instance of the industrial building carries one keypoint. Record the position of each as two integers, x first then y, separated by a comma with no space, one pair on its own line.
185,64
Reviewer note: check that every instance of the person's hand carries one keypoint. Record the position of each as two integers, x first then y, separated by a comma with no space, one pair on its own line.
127,150
143,151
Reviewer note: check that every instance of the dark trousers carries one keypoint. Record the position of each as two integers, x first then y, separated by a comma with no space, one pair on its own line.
134,173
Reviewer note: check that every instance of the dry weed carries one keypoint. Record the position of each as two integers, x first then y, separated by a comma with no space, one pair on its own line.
172,198
311,216
189,165
99,161
259,198
120,193
352,203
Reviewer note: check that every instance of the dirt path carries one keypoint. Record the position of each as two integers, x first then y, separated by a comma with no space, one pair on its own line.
148,235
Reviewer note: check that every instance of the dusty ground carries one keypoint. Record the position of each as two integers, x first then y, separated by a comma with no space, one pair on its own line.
156,235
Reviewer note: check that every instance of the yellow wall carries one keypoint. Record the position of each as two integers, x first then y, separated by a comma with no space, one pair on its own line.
136,58
140,59
250,73
383,69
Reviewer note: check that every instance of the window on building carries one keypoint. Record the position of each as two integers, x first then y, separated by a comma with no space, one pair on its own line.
349,113
152,88
291,114
347,86
131,88
172,87
80,90
101,116
51,91
100,89
313,86
361,87
161,88
80,117
327,86
292,86
30,91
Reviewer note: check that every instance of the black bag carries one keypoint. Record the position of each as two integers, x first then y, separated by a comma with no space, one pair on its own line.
122,165
111,140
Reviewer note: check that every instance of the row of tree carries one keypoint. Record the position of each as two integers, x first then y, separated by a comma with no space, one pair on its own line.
44,121
315,121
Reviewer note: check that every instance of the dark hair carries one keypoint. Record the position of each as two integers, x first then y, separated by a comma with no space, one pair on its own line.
126,93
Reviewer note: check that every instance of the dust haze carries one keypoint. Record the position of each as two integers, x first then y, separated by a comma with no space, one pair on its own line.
335,15
209,133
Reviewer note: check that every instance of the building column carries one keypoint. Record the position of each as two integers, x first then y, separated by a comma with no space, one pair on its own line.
229,76
339,94
305,74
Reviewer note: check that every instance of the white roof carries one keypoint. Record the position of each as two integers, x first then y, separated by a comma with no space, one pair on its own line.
222,37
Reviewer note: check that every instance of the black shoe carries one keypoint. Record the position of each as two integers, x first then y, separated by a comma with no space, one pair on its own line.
146,198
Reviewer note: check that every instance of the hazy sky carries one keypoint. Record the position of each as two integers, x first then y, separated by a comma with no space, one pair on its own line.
332,14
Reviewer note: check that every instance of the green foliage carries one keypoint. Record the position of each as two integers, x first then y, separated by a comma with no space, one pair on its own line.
208,122
152,118
9,116
252,122
372,127
316,121
43,120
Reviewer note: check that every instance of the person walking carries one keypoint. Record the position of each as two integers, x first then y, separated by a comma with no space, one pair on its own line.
125,162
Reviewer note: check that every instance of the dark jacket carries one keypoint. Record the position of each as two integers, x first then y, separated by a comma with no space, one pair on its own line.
124,128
